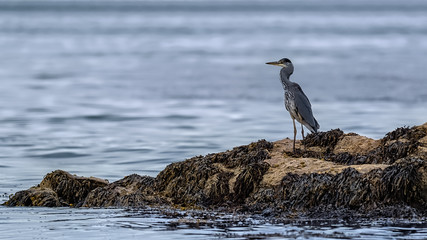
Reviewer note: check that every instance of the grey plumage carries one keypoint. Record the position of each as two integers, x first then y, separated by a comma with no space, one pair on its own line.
296,102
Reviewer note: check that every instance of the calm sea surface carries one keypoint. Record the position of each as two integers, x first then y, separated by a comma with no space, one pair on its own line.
111,88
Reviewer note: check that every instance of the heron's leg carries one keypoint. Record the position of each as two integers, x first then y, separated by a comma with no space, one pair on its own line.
302,131
295,134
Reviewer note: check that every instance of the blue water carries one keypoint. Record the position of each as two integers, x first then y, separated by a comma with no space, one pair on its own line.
111,88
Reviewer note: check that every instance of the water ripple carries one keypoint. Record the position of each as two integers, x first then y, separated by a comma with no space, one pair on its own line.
180,117
60,155
99,117
139,150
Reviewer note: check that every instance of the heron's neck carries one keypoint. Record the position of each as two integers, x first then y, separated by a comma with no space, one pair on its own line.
284,77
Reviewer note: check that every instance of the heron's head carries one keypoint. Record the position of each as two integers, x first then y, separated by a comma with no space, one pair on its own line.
284,63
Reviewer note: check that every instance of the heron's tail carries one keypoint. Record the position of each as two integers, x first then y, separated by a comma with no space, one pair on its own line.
313,129
317,126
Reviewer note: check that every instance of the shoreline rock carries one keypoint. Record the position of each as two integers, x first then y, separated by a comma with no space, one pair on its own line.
332,175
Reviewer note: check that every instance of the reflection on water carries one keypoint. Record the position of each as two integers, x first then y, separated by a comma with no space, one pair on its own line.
111,88
167,224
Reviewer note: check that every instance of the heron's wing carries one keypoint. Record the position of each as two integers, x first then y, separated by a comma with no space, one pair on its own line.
303,106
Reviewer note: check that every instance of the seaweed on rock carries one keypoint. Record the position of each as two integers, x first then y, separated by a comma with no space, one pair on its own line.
334,175
133,190
324,139
206,180
57,189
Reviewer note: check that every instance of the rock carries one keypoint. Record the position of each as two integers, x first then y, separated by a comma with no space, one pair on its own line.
36,197
216,178
332,175
57,189
354,149
133,190
354,144
317,194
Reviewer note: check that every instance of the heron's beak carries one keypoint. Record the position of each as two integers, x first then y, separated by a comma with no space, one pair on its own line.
276,64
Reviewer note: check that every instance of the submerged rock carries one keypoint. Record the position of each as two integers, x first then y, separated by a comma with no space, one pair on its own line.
333,174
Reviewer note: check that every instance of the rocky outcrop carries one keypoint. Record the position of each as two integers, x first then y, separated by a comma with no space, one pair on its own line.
332,174
57,189
215,179
133,190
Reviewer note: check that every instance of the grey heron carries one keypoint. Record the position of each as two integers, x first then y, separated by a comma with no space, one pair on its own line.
296,102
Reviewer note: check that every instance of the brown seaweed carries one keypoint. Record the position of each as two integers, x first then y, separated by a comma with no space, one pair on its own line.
393,184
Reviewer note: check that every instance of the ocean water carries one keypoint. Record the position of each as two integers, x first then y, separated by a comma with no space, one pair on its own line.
111,88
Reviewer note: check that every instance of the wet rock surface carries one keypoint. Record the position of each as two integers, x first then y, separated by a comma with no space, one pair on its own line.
215,179
57,189
133,190
332,175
